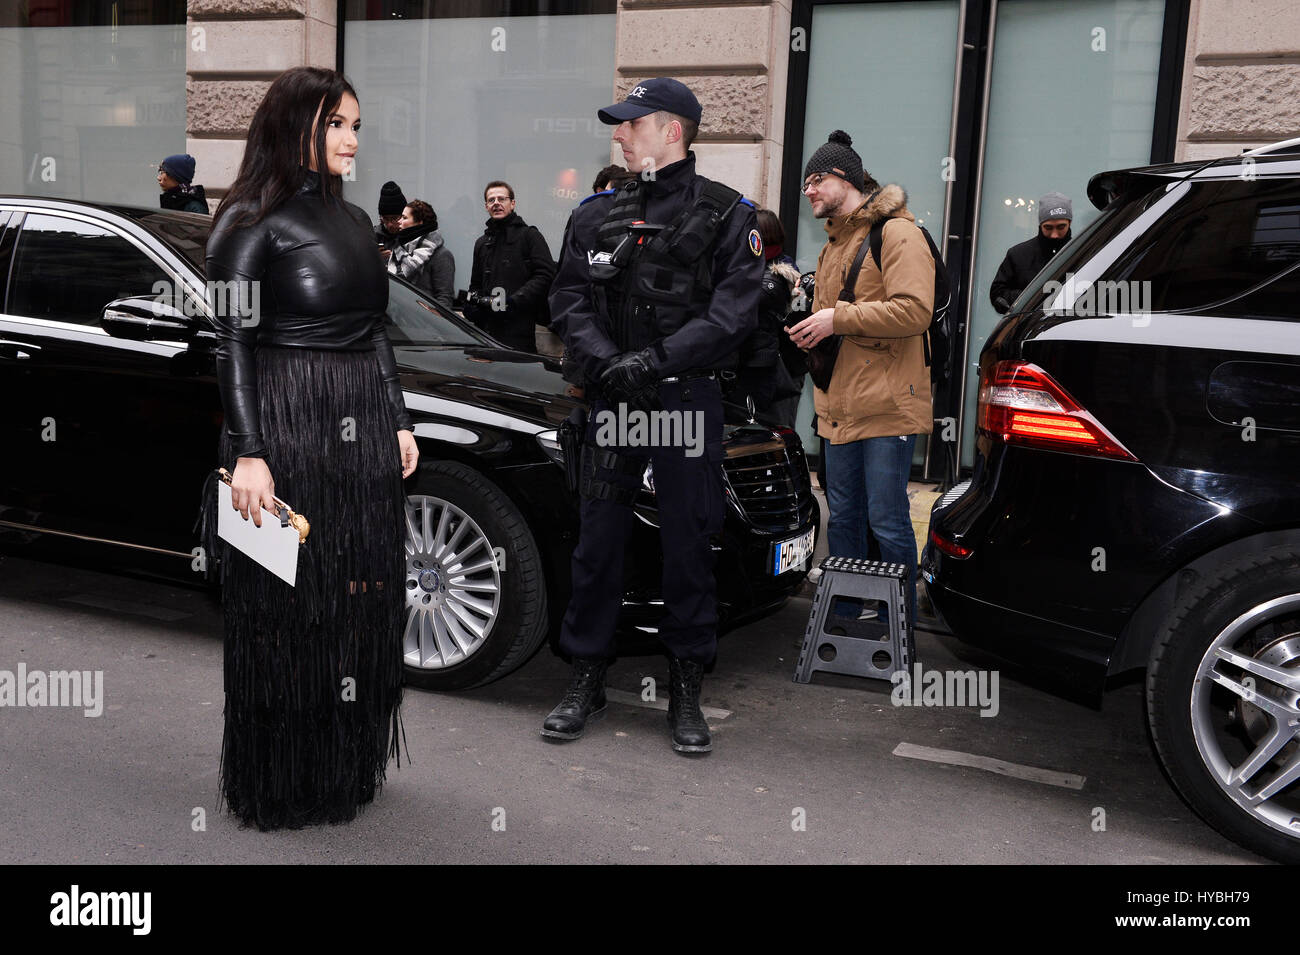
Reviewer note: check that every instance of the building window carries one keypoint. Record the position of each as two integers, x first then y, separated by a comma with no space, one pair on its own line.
449,104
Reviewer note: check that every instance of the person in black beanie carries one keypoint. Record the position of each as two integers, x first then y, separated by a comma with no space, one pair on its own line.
877,398
391,206
1025,260
175,178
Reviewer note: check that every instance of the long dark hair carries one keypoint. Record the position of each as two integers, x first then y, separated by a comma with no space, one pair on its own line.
280,140
769,228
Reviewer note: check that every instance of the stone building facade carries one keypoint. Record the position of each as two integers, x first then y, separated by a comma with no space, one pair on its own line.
1240,84
1241,77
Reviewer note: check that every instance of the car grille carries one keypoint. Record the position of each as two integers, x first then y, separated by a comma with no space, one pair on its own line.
770,484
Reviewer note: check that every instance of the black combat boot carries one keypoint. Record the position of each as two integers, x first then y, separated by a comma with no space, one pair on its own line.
690,731
583,700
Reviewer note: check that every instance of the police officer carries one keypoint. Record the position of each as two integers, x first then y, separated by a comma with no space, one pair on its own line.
657,287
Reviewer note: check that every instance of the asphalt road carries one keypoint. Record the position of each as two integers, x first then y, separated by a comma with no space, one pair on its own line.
124,787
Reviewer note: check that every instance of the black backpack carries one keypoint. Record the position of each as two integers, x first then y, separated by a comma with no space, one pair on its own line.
940,342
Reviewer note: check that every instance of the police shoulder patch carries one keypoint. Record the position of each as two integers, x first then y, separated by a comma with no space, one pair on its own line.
755,242
746,202
606,192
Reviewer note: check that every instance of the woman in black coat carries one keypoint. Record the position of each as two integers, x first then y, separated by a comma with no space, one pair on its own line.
311,395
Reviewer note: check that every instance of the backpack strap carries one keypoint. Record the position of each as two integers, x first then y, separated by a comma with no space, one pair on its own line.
875,239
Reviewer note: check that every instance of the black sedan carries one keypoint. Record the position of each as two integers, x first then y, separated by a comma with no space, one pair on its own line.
110,419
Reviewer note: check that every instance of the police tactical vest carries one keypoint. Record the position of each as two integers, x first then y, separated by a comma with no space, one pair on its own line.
665,278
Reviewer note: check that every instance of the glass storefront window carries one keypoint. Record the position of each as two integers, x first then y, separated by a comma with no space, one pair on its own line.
863,77
94,97
1073,94
449,104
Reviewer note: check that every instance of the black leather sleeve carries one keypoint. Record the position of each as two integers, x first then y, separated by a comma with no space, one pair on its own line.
238,256
388,370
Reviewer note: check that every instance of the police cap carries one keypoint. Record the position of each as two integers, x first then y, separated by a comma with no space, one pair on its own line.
651,96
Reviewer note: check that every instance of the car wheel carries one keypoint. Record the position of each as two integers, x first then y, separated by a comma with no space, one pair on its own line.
1223,701
475,594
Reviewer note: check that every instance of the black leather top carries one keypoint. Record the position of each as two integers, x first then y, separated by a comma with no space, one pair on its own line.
321,284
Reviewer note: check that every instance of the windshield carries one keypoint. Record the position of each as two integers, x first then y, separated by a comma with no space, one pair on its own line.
414,319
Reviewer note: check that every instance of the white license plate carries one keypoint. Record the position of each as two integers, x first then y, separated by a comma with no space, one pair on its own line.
794,553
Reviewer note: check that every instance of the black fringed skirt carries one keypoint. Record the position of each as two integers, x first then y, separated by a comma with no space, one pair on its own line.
313,672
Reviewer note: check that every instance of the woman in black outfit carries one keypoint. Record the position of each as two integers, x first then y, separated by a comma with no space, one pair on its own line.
311,396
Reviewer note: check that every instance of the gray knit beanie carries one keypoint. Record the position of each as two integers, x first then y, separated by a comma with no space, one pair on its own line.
1054,205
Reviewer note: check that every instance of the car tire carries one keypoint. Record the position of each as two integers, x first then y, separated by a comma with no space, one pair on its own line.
475,594
1222,689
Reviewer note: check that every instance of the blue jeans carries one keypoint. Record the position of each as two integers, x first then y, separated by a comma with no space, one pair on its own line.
866,487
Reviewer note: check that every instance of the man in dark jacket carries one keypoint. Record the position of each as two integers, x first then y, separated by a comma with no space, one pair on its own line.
1027,259
175,178
651,324
511,275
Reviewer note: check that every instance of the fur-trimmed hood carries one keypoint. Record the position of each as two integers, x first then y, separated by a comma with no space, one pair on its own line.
786,271
889,200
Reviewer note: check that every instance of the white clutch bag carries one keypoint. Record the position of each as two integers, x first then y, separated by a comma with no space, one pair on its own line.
274,545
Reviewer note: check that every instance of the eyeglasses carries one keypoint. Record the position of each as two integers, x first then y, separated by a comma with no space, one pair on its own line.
498,200
814,181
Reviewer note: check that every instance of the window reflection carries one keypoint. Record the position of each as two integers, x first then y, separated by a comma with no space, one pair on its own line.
67,271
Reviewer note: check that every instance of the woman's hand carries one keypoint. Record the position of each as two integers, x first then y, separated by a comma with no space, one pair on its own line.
410,453
814,328
252,489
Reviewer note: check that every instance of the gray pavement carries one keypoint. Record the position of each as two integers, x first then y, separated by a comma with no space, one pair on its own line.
124,787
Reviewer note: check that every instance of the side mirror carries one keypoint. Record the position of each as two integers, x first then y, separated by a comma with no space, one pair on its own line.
144,318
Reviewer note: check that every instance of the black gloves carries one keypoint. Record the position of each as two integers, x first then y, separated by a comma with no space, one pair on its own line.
632,378
629,372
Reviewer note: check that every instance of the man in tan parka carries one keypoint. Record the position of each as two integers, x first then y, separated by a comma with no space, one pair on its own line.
878,399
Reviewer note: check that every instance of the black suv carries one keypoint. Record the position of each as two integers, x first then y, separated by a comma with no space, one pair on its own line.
107,380
1132,503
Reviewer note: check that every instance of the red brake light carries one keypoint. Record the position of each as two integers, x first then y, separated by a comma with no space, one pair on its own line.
1022,404
951,548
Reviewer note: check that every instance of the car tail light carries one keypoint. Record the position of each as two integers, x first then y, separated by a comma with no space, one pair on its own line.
1022,404
951,548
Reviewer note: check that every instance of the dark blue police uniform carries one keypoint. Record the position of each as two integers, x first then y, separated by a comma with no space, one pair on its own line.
688,488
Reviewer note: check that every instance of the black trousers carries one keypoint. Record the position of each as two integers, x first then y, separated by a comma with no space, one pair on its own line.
689,494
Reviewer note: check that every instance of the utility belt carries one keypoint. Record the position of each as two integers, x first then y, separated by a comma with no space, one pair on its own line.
692,376
582,458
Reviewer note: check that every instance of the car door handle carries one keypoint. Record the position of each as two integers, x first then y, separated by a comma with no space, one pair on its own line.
17,350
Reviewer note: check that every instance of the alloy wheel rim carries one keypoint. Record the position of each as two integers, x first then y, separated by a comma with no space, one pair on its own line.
453,585
1245,708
